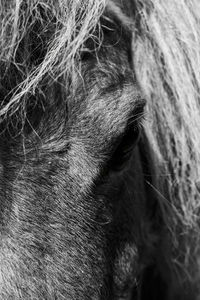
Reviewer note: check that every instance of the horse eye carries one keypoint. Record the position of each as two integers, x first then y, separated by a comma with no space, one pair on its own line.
86,55
123,151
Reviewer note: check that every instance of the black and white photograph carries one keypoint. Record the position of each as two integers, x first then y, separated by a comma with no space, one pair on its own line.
99,149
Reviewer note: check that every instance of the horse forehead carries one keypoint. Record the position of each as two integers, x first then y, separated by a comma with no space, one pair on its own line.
113,108
103,113
111,95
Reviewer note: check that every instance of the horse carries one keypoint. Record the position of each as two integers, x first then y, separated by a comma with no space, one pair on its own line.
99,149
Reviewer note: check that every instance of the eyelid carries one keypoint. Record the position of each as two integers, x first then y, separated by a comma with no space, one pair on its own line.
128,140
139,106
132,131
134,122
123,151
137,114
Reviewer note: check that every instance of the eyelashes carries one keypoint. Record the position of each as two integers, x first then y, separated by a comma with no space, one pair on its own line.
123,151
127,142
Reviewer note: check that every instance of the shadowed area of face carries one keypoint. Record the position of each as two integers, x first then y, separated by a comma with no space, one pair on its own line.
72,213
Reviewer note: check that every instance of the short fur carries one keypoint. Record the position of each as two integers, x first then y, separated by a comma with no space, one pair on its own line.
66,77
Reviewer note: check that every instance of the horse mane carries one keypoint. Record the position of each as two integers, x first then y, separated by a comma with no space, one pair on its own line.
41,39
166,57
166,51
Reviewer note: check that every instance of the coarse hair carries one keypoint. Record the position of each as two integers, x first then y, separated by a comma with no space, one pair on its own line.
41,39
166,57
166,51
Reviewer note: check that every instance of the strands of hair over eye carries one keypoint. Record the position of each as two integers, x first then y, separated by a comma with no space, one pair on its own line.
39,39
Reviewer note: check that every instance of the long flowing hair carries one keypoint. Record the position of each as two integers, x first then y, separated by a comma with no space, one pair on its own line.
166,50
42,40
39,40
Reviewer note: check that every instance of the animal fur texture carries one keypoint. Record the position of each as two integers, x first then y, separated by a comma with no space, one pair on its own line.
87,211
